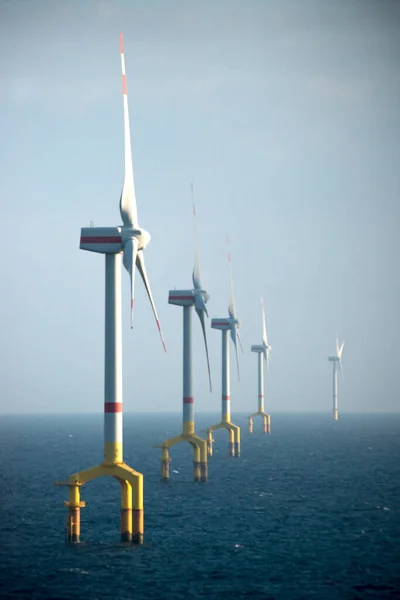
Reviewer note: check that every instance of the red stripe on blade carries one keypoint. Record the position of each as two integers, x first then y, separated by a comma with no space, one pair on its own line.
124,84
113,407
162,338
121,43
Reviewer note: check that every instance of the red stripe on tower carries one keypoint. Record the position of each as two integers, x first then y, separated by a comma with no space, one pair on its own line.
188,400
226,397
113,407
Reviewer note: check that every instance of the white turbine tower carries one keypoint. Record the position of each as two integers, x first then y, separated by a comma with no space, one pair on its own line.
128,240
263,352
337,360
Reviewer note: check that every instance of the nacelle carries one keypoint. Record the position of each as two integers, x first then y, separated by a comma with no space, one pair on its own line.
181,297
105,240
259,349
222,323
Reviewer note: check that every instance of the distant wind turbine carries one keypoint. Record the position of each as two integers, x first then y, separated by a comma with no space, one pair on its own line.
263,352
337,360
197,298
227,325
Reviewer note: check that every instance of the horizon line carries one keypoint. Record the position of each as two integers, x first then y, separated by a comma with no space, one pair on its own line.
161,412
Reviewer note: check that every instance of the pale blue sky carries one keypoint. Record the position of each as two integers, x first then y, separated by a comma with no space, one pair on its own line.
285,113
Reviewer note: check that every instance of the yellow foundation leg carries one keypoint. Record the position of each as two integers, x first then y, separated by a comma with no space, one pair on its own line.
203,462
209,442
137,512
231,442
335,415
74,515
165,460
126,511
203,471
196,471
74,525
237,441
268,423
265,424
250,425
196,462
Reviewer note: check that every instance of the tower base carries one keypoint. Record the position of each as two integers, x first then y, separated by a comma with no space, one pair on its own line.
335,415
266,421
131,482
200,470
234,437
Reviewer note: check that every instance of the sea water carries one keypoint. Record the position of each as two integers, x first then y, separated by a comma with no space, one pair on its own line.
310,511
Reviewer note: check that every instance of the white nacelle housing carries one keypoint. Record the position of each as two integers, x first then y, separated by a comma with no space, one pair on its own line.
221,323
181,297
105,240
258,349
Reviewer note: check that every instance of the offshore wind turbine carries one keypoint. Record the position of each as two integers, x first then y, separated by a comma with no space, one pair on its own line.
227,325
197,298
336,360
129,241
263,354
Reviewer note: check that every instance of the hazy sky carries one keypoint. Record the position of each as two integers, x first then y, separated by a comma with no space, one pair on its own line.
285,114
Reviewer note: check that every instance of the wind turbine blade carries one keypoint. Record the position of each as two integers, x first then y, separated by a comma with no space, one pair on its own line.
129,260
142,270
240,341
233,334
234,339
339,348
231,308
199,303
264,326
268,361
196,271
340,368
127,204
203,326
